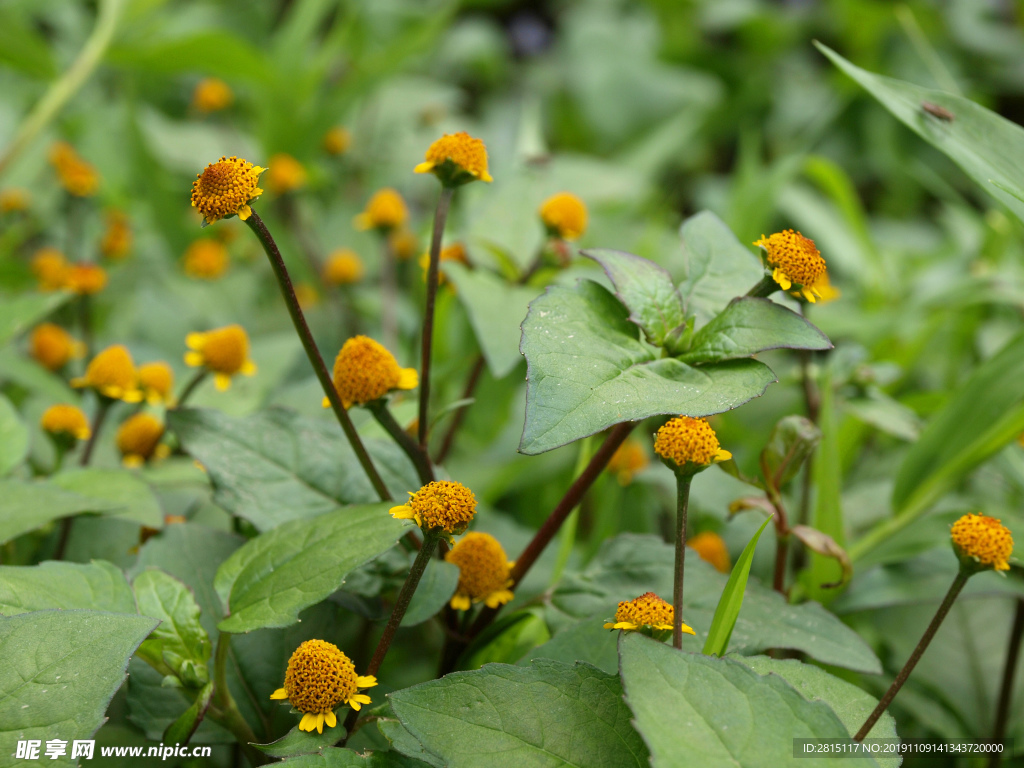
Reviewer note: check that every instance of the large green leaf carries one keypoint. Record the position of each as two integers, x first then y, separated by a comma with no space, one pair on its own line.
732,716
28,506
126,494
646,290
218,53
13,437
274,576
588,370
179,646
335,757
98,586
545,714
750,325
19,312
59,672
277,466
988,147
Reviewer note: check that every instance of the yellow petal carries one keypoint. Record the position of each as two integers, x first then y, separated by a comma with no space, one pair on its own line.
308,722
330,719
244,213
194,359
500,597
258,169
221,381
688,630
326,403
722,455
403,512
609,625
132,396
280,693
627,625
195,340
485,176
426,167
320,722
83,433
358,700
248,368
366,681
408,378
460,602
133,460
79,381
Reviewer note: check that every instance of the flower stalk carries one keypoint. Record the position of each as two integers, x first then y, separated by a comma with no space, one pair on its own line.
415,452
223,709
766,287
1006,687
683,481
440,217
192,386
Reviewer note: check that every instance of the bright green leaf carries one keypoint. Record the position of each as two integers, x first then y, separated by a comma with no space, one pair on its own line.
13,437
28,506
125,493
180,645
98,586
217,53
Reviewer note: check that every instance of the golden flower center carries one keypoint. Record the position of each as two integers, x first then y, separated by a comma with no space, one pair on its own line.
51,346
646,609
225,187
385,210
113,367
337,140
156,377
983,538
85,279
686,439
444,504
226,350
139,435
343,267
629,457
468,153
206,258
212,94
365,371
565,215
795,255
483,565
710,547
117,239
64,419
50,267
319,677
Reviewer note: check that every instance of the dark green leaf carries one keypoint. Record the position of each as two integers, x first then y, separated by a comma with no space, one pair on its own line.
182,729
435,589
20,312
297,742
179,646
125,494
21,47
334,757
403,741
13,437
98,586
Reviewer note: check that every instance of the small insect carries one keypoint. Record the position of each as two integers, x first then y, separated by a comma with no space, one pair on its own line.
936,111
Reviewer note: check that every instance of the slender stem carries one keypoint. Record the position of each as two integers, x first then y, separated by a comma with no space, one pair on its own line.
224,710
1009,671
415,452
567,537
682,504
191,387
389,294
467,393
440,215
781,558
901,678
256,224
97,425
765,288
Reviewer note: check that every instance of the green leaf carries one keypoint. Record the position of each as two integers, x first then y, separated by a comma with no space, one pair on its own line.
334,757
20,312
98,586
403,741
13,437
988,147
732,715
274,576
216,53
180,645
28,506
716,266
21,47
126,495
435,589
547,713
508,639
496,309
586,640
182,729
791,443
587,370
827,514
278,466
60,670
297,742
646,290
750,325
731,601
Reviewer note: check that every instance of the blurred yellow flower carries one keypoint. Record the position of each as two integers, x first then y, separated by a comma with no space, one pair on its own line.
385,210
50,267
224,351
117,238
628,459
112,374
484,572
52,347
157,383
226,188
403,244
13,199
212,95
77,176
285,174
456,158
205,259
343,267
63,419
564,215
85,278
710,548
337,140
365,371
306,295
138,440
455,252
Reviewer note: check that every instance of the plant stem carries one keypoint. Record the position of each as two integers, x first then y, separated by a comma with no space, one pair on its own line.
415,452
256,224
568,533
682,504
97,425
389,294
191,387
467,393
1006,688
765,288
224,710
440,215
901,678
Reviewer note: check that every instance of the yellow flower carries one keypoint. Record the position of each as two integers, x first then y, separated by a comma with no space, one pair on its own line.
440,504
823,289
629,459
85,279
319,677
63,419
365,371
212,95
306,295
205,259
138,440
77,176
343,267
50,268
711,549
456,158
648,610
157,382
225,189
285,174
689,444
385,210
112,374
983,542
403,244
225,351
13,199
455,252
484,572
117,239
337,140
564,215
52,347
795,260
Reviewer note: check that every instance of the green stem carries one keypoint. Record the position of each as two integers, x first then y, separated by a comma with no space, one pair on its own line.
1009,671
765,288
256,224
567,537
901,678
191,387
440,216
682,504
415,452
224,710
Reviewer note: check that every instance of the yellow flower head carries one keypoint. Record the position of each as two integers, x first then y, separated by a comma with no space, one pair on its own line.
982,543
225,351
564,215
65,421
455,252
77,176
112,374
212,95
440,504
403,244
484,572
85,278
117,239
205,259
649,611
365,371
337,140
306,295
343,267
711,549
285,174
628,459
13,199
52,347
795,260
689,444
385,210
226,188
319,677
157,383
50,268
456,158
138,440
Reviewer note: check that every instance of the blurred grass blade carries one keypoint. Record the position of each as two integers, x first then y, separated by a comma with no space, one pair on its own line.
827,516
732,599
